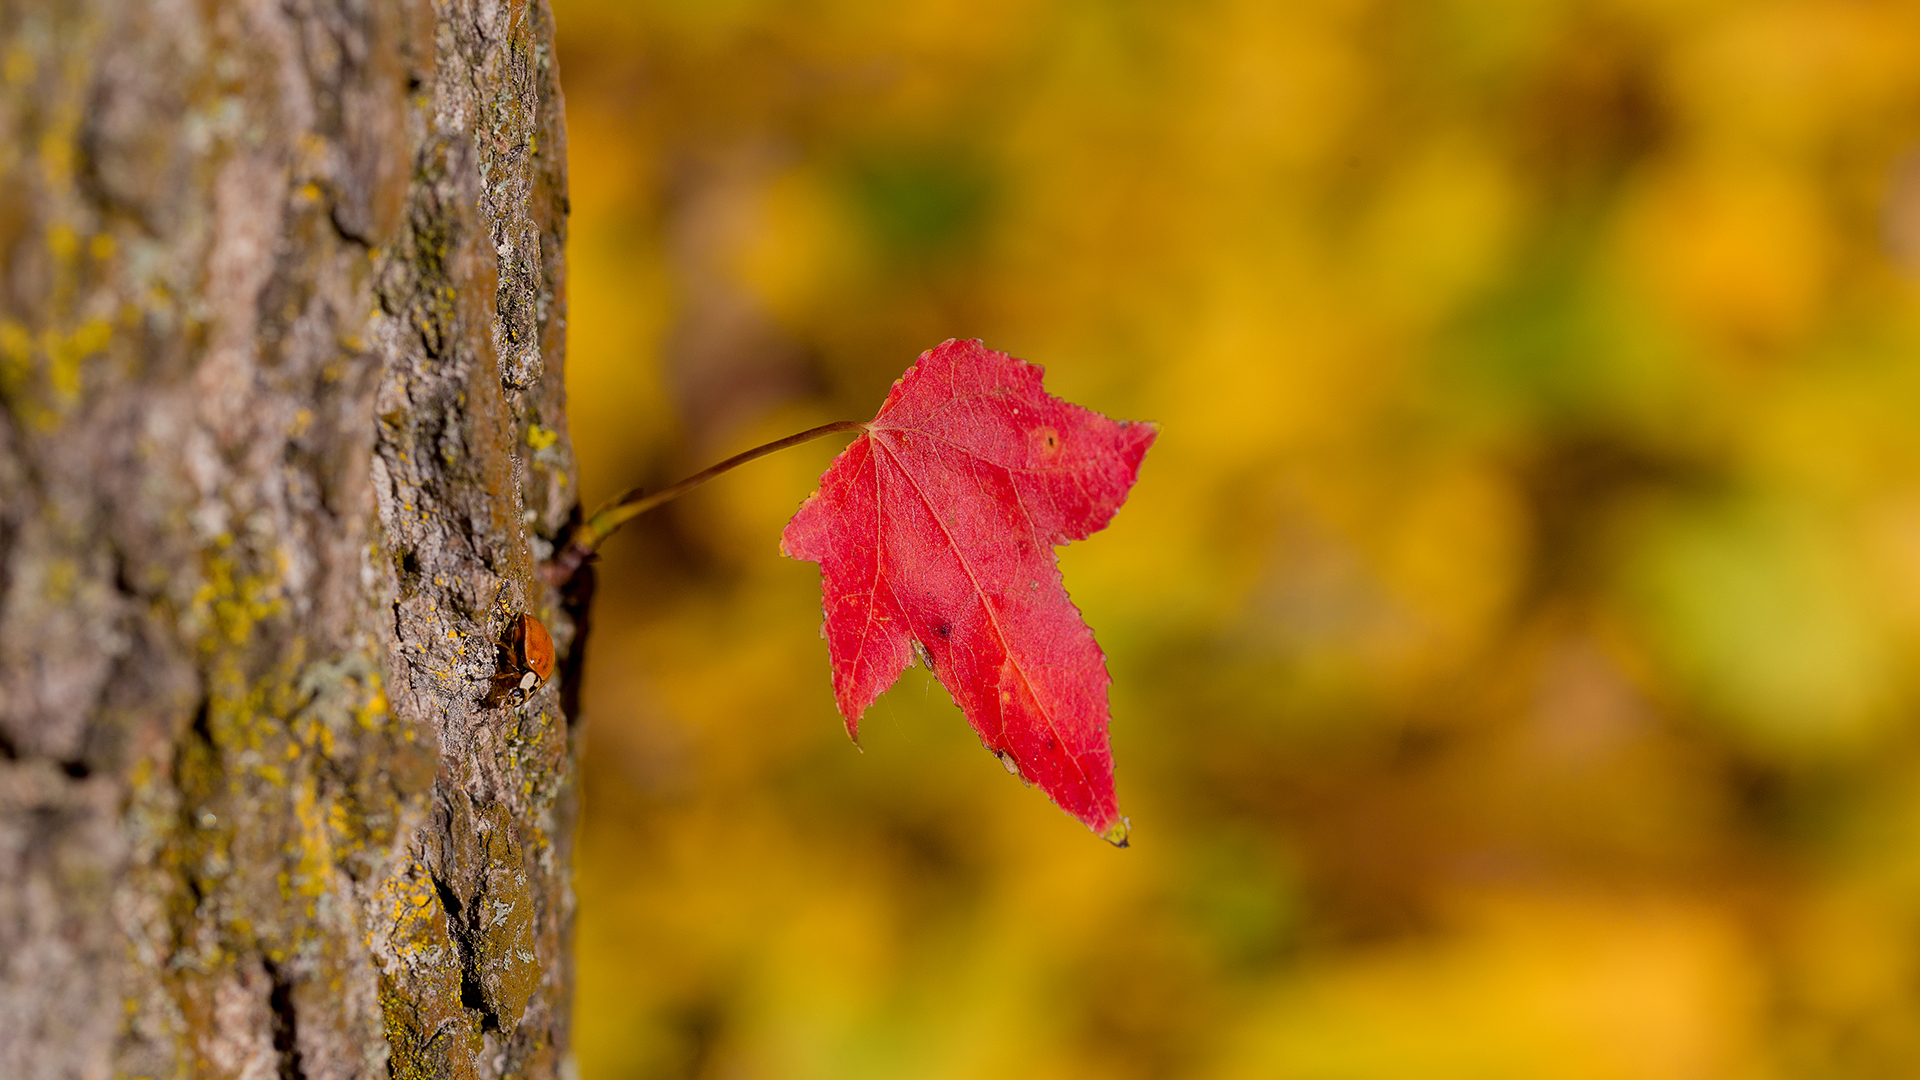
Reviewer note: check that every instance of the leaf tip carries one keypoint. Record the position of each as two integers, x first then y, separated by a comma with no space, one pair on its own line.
1117,836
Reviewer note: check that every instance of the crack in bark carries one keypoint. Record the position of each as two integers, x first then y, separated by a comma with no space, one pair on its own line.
202,727
286,1023
465,942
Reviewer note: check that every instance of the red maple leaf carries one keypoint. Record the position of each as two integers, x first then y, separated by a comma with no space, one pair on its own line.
935,532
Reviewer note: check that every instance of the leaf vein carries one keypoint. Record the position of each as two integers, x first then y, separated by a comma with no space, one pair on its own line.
986,603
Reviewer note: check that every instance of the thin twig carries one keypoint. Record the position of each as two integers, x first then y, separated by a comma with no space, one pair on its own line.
628,505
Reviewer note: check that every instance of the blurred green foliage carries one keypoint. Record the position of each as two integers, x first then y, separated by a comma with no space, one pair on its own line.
920,204
1512,629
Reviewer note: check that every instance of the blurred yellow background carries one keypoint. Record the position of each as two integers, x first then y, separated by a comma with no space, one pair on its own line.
1513,630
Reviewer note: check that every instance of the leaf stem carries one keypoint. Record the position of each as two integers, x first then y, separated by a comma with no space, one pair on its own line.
630,504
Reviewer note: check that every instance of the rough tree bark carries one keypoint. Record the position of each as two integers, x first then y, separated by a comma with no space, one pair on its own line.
282,447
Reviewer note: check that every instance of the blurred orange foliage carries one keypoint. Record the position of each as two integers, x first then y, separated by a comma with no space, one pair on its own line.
1512,631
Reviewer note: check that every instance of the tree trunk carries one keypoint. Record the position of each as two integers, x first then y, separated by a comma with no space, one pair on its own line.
282,450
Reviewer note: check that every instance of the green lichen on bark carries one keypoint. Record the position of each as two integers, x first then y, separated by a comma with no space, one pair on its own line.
282,443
